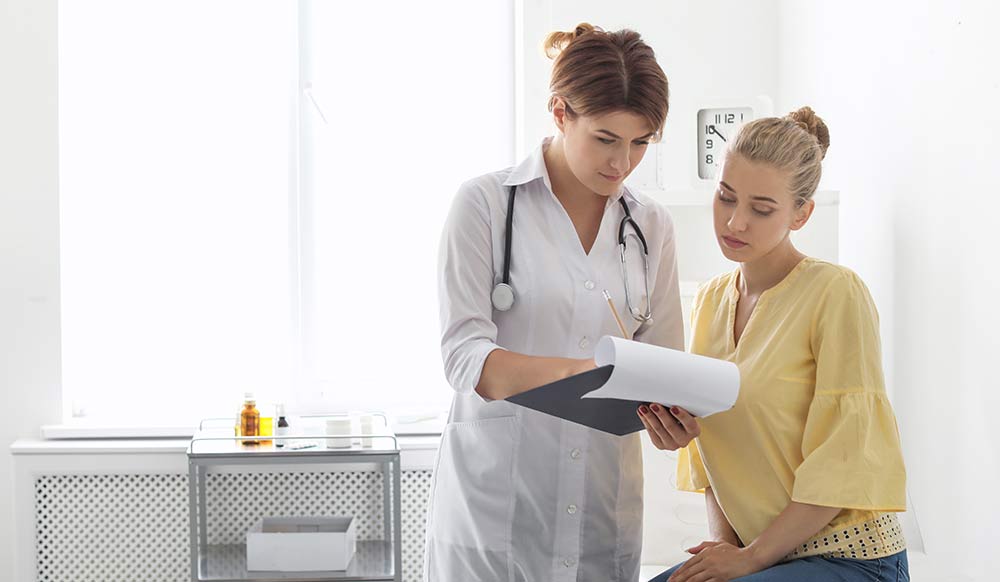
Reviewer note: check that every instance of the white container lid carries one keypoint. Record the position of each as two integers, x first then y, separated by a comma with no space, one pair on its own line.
338,426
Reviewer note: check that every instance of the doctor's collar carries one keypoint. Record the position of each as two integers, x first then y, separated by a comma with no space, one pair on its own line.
531,168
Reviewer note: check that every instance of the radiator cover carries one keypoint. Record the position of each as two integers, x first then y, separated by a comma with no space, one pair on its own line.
121,527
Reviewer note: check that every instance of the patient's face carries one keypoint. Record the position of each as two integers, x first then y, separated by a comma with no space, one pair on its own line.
754,210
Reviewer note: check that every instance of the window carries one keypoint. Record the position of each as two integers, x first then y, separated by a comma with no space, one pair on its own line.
252,195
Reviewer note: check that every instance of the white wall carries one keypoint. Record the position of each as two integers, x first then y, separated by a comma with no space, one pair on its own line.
910,92
29,237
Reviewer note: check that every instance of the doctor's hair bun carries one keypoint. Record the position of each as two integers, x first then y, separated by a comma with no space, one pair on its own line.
556,41
807,119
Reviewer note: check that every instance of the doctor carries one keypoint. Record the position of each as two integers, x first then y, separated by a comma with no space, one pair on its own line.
525,255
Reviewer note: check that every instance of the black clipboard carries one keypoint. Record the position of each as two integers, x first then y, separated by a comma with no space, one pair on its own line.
564,399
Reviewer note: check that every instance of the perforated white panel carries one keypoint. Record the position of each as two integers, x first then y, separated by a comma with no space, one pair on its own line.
112,527
416,487
135,527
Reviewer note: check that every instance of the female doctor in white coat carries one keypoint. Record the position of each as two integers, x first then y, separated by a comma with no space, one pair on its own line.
517,494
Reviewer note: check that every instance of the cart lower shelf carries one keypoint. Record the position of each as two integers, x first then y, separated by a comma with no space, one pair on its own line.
373,561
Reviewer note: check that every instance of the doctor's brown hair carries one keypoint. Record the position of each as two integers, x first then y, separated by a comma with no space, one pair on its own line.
597,72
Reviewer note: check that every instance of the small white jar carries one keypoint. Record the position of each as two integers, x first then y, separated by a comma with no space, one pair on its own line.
338,426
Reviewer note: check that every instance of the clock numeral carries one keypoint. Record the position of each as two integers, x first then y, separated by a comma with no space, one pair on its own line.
708,130
709,159
718,118
730,118
709,144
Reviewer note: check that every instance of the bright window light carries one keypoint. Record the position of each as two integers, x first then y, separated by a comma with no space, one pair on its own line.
251,196
409,103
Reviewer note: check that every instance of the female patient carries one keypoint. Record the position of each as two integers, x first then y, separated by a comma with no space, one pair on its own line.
803,474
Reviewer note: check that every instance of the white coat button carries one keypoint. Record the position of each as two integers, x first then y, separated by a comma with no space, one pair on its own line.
569,562
571,509
574,454
589,285
584,342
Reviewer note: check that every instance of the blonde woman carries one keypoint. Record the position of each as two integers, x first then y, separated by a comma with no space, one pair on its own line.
803,476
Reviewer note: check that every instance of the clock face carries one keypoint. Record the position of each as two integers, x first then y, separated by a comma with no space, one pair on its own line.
716,128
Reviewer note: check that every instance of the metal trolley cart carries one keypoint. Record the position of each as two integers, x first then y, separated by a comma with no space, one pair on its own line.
373,560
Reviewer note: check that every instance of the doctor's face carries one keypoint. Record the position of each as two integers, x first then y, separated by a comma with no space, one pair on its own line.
754,211
602,151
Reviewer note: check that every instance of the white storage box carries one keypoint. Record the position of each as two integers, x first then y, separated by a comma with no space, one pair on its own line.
300,544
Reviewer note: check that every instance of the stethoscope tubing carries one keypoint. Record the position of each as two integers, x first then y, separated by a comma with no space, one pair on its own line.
503,295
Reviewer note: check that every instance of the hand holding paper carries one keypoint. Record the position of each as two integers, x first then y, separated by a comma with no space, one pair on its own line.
649,373
630,374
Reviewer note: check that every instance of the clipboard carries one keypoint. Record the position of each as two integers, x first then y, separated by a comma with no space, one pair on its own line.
564,399
630,374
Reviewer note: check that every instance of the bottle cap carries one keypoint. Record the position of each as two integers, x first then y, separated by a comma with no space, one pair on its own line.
248,397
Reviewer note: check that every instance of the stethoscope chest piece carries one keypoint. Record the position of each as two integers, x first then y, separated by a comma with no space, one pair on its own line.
503,297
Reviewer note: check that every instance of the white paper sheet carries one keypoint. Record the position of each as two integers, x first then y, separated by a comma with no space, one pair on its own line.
647,373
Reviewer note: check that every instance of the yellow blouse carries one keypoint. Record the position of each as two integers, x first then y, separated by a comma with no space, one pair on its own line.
812,422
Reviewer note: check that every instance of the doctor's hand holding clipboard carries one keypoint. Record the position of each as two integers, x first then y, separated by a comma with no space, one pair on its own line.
525,252
670,428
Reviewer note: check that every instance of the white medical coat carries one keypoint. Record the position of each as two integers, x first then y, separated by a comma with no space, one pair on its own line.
517,494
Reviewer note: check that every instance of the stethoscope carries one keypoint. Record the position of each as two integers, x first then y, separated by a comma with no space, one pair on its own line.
503,293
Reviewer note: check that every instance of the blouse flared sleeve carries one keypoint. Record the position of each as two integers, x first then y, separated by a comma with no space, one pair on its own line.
851,451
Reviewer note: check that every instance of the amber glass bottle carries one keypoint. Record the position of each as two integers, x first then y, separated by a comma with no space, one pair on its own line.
250,419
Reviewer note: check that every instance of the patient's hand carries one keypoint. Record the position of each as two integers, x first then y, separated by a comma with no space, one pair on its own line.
669,429
716,562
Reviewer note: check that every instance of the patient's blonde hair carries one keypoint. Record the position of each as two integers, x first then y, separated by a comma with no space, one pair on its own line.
795,144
